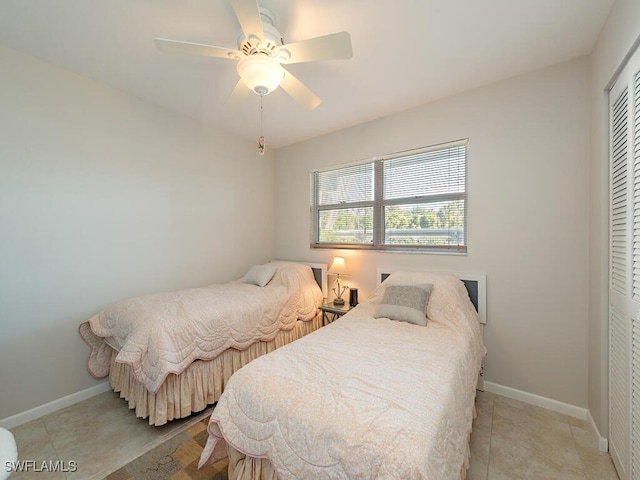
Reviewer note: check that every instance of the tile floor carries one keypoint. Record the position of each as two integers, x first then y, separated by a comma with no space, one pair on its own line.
510,440
99,434
514,440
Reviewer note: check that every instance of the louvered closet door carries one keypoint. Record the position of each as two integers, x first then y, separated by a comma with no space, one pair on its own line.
624,274
634,355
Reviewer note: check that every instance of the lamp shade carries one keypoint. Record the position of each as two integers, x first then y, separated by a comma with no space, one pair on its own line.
338,267
260,73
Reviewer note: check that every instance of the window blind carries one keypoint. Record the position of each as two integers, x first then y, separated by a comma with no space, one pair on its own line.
424,199
407,200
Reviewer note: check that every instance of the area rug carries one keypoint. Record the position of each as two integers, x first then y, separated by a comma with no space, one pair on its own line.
175,459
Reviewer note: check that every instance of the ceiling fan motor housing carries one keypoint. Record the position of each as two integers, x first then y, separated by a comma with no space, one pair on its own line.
267,45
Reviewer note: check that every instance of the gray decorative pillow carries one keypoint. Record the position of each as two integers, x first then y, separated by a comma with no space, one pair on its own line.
406,302
260,275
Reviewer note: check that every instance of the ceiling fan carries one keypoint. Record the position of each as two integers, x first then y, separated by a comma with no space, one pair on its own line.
262,52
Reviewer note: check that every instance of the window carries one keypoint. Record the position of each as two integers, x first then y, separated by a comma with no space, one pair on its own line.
413,200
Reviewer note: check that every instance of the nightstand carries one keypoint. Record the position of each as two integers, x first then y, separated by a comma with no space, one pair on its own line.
330,312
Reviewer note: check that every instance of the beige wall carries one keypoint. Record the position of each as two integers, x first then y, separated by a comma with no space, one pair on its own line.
102,197
527,223
619,34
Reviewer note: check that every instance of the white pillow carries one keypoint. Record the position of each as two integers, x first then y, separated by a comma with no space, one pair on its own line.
260,275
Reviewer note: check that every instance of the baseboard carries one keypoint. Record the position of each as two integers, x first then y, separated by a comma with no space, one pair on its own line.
603,443
37,412
537,400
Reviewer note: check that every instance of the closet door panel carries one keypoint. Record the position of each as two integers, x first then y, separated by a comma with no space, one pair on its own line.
624,272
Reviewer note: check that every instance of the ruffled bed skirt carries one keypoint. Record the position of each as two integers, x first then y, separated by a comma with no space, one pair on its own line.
201,384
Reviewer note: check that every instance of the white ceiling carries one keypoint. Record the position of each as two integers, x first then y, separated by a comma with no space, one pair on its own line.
405,52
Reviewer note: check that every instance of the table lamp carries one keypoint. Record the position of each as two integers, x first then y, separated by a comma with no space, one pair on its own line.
338,268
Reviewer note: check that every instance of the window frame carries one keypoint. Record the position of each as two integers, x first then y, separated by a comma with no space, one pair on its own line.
378,204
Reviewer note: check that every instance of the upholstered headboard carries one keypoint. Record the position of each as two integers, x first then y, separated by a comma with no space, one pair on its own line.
475,283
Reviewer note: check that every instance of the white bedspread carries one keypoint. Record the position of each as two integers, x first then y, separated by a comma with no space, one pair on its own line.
362,397
164,333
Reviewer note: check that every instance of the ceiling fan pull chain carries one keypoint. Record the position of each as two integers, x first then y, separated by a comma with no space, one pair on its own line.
261,143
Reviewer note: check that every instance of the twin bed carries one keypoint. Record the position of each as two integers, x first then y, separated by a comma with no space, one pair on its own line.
375,394
171,354
386,391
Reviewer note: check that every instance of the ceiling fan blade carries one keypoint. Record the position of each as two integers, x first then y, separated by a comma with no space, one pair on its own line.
299,91
249,17
238,95
175,46
336,46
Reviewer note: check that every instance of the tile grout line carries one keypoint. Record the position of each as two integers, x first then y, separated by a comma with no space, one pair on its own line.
493,407
578,451
46,429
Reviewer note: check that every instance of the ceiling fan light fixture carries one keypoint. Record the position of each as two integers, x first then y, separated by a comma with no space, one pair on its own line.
260,73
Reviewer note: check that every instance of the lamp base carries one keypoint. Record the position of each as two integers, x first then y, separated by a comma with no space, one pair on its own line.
338,301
